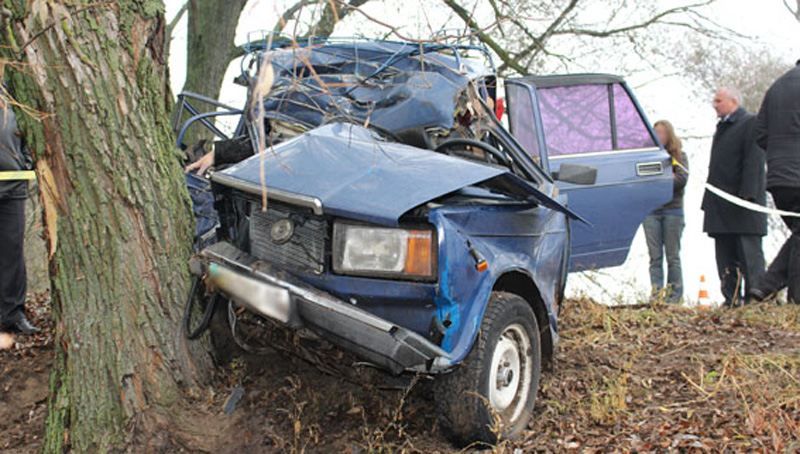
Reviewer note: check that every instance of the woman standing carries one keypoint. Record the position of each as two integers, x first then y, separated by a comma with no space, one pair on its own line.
664,226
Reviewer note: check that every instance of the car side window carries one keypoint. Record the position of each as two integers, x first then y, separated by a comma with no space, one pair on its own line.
522,119
591,118
576,119
632,132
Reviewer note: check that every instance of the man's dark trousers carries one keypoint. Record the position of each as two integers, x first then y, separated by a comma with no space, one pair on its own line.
740,261
785,269
12,261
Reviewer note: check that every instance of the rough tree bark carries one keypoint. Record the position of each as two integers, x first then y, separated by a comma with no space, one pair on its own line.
118,219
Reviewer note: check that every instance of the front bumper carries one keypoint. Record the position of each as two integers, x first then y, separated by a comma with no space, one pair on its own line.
275,294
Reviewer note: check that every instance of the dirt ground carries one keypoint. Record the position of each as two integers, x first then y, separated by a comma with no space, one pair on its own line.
24,373
624,379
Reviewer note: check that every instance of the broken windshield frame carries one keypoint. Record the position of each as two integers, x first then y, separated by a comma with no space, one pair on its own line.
184,104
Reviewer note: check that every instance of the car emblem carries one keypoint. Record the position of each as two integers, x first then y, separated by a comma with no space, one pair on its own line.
281,231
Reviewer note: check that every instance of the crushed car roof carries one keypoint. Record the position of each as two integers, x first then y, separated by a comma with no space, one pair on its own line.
396,86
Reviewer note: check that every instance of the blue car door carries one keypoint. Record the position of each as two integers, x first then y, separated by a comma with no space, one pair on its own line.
593,123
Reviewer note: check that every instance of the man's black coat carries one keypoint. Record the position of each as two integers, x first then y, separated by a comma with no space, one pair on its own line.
737,166
778,130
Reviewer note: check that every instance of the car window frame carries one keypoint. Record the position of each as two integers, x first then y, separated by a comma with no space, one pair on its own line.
537,120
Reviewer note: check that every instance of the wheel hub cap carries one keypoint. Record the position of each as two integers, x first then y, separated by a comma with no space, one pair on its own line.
509,382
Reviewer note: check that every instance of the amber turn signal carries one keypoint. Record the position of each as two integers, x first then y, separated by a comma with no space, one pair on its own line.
419,259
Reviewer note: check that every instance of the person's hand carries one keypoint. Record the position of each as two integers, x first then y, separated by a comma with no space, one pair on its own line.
6,341
202,164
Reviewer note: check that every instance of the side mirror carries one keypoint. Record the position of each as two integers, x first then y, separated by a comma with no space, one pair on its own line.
576,174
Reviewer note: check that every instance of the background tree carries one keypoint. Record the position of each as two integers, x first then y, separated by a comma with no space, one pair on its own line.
92,79
210,47
709,65
545,36
210,43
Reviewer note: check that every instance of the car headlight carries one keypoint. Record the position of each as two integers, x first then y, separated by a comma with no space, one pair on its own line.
383,252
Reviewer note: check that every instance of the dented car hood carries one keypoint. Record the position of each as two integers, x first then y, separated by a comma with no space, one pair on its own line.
356,175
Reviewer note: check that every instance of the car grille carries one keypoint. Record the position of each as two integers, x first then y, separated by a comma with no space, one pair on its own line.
303,251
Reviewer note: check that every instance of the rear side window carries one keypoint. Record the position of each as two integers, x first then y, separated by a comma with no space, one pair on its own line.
591,118
576,119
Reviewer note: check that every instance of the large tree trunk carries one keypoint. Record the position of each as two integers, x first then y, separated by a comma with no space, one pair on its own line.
210,49
117,213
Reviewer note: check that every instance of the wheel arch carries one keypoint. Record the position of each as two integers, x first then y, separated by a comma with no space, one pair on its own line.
521,284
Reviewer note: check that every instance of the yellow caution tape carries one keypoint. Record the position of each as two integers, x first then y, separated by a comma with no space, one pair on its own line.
675,163
6,175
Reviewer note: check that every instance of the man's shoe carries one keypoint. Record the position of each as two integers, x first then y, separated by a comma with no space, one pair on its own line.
18,323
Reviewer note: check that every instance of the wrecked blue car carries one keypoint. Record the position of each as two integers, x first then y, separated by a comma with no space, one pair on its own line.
393,214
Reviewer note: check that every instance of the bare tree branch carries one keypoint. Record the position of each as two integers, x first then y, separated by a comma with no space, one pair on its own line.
485,38
529,34
290,13
335,10
538,44
174,22
616,31
171,28
794,11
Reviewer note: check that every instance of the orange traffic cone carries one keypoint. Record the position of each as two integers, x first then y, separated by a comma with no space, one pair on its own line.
702,294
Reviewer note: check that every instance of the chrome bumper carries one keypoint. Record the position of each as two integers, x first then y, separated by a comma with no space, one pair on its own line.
275,294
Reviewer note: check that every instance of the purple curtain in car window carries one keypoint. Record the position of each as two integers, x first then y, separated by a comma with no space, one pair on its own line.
575,119
631,130
522,119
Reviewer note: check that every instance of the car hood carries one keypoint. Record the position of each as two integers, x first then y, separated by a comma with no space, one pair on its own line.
356,175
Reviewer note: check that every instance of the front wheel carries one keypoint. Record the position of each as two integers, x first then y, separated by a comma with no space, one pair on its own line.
492,393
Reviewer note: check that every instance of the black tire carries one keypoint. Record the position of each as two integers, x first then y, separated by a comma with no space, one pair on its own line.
465,410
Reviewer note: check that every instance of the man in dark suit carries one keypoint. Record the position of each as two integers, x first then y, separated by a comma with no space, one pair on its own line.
736,167
778,132
13,192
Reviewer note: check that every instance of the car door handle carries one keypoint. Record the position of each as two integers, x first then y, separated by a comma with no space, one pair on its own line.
646,169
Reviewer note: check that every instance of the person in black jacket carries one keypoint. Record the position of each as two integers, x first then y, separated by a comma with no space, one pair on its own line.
13,193
778,132
736,167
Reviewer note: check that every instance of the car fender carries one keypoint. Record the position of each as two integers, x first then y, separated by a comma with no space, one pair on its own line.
464,291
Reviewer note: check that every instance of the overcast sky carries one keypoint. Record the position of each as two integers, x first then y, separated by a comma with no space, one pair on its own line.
764,22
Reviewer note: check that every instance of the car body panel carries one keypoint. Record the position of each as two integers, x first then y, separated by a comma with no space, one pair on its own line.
606,239
275,294
496,234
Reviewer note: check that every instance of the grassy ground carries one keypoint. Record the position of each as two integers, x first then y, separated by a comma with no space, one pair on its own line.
652,378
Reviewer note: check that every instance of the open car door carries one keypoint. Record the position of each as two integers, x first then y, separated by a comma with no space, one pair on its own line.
592,135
